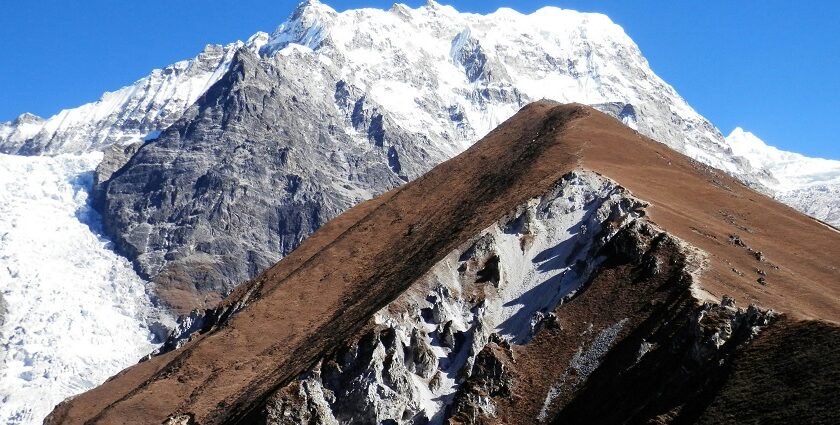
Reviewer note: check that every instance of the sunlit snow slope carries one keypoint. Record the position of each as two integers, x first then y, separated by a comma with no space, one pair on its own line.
447,75
811,185
76,312
129,114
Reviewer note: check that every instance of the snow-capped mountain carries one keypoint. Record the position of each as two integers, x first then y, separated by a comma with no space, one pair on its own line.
130,114
790,170
250,147
429,66
812,185
394,92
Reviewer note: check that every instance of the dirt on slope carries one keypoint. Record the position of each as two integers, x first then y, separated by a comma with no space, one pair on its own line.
328,288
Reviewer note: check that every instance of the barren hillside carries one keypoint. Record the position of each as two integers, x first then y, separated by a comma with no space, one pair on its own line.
562,245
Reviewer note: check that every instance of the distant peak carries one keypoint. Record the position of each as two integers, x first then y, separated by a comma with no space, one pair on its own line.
27,117
257,41
737,132
310,10
308,26
310,6
739,135
434,7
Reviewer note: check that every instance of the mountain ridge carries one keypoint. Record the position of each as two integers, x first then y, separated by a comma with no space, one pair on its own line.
396,240
396,92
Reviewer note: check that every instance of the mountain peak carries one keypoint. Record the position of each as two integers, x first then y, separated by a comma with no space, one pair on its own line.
27,117
311,7
308,26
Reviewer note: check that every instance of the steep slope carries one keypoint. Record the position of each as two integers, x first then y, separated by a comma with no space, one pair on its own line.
72,312
394,93
409,306
133,113
809,184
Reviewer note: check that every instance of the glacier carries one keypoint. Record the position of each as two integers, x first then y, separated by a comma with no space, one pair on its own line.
75,312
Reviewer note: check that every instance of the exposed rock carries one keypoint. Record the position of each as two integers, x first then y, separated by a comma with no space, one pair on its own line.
302,403
453,328
220,191
3,308
125,116
490,378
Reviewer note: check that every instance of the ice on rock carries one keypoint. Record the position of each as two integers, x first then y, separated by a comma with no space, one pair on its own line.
75,312
791,170
811,185
484,67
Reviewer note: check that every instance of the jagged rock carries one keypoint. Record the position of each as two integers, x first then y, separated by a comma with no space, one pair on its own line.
419,357
300,404
239,188
490,378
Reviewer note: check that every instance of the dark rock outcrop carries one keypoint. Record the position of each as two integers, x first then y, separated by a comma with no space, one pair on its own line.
261,161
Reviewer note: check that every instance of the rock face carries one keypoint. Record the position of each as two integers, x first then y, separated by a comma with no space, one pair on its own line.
130,114
512,284
236,180
497,287
339,107
631,319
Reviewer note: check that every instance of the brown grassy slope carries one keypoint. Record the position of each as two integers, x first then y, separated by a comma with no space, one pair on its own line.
705,207
328,288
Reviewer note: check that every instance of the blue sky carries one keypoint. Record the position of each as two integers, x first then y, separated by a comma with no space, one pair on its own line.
772,67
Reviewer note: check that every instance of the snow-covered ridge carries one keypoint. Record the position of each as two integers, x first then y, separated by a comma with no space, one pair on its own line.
792,170
433,68
811,185
127,115
76,313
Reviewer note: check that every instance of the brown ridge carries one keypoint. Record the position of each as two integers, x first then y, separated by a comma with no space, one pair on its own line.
328,288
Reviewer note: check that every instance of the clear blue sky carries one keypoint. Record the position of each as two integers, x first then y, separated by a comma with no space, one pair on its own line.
772,67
